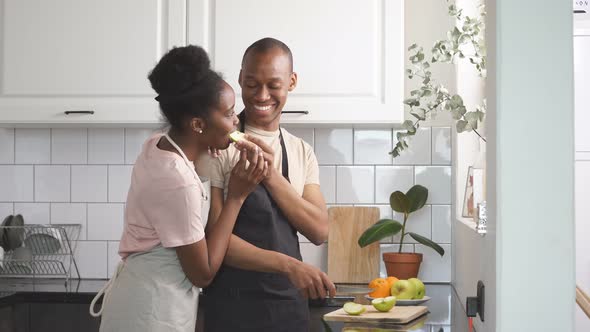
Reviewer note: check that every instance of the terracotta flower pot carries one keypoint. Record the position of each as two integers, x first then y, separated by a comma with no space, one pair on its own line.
402,265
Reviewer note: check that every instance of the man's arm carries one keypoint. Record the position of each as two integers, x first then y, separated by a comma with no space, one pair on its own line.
241,254
307,213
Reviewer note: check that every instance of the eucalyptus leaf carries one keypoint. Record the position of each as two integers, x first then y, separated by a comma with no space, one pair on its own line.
462,126
399,202
427,242
419,113
417,195
380,230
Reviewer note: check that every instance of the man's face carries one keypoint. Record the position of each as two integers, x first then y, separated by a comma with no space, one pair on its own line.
266,79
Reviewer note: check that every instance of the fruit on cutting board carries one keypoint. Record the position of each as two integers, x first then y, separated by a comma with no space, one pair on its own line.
403,290
236,135
353,309
384,304
381,288
420,288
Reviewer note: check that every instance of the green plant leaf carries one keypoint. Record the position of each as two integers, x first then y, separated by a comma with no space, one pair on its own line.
381,229
409,126
399,202
427,242
417,195
419,113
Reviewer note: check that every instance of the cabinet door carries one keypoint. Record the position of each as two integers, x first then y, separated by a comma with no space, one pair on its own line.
348,54
83,55
582,94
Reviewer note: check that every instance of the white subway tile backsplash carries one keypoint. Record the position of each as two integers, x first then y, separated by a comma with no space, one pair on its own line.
32,146
16,182
315,255
304,133
391,178
435,268
328,183
52,183
418,152
33,213
355,184
441,146
5,210
106,146
438,181
119,181
6,146
70,213
69,146
89,183
391,248
419,222
134,139
372,147
105,221
333,146
91,258
113,257
81,176
441,223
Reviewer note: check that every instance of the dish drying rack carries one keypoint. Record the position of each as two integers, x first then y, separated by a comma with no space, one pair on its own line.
51,249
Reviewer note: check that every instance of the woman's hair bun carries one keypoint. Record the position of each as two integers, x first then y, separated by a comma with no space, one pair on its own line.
180,70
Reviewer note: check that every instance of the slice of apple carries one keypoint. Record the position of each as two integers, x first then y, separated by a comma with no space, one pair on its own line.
384,304
236,136
354,309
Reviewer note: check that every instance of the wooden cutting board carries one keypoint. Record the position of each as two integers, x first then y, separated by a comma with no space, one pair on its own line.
347,262
397,315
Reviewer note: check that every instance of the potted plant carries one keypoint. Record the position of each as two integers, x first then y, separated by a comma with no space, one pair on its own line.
401,265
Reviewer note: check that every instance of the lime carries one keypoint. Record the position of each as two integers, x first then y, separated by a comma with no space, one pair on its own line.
352,308
236,135
384,304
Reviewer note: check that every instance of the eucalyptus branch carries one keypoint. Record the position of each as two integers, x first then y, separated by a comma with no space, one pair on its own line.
465,40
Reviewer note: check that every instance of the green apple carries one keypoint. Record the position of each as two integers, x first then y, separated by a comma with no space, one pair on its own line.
420,288
354,309
403,290
384,304
236,135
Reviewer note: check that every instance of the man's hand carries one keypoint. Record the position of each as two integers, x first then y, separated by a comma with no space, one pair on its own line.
251,142
311,281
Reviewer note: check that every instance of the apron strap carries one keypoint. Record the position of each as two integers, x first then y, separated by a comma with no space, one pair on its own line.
189,164
105,290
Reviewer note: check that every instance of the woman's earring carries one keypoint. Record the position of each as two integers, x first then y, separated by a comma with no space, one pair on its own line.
199,130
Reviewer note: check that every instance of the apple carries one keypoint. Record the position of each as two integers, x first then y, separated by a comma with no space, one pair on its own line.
420,288
384,304
354,309
403,290
236,136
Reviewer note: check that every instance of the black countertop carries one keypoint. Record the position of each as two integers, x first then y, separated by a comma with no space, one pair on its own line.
446,313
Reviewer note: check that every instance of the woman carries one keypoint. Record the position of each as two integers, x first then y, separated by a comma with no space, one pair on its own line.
165,255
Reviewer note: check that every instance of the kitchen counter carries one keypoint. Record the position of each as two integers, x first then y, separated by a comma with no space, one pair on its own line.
21,298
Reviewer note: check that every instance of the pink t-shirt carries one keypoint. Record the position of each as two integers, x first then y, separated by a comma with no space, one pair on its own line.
163,203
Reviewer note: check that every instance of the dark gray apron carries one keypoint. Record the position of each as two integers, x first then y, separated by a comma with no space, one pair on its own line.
241,300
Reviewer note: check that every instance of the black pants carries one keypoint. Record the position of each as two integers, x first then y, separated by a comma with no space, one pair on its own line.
225,314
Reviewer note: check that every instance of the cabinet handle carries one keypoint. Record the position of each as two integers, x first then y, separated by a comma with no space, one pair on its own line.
78,112
579,12
295,112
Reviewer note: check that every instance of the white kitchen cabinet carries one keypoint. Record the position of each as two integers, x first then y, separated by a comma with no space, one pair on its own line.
86,55
83,55
582,95
348,54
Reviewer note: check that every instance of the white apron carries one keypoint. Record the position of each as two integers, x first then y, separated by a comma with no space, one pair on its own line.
149,292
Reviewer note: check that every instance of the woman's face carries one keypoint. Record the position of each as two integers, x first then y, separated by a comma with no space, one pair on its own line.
222,120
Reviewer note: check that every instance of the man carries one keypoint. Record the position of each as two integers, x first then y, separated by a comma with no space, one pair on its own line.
264,285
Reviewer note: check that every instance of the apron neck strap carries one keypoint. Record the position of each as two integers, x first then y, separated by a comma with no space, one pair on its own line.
189,164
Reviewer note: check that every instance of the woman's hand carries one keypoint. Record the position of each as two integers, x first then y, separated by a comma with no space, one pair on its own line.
247,173
251,142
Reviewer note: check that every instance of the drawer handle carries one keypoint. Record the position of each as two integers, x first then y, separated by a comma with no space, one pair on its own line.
78,112
578,11
295,112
